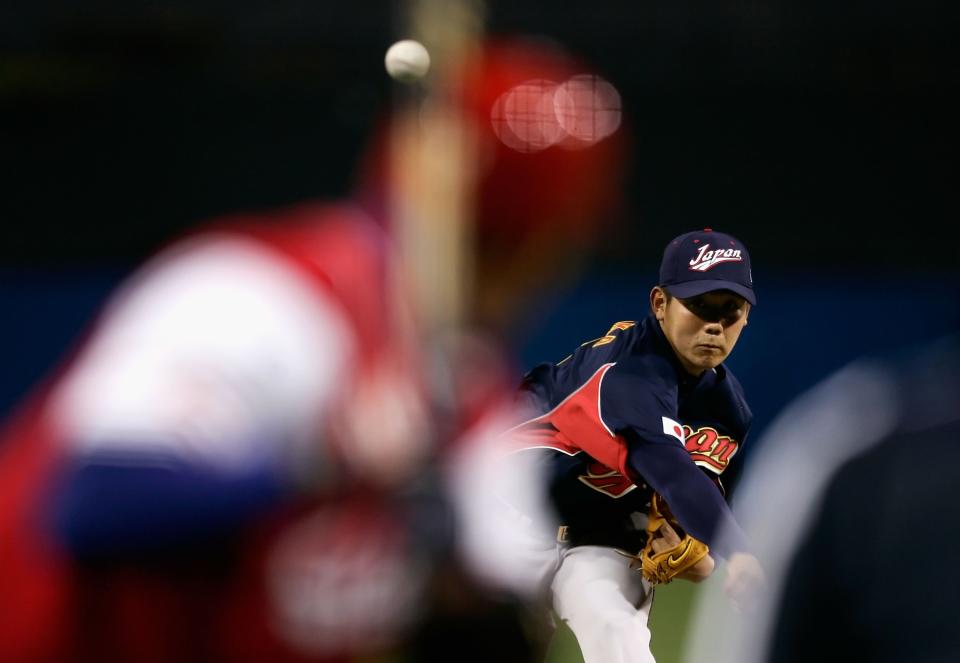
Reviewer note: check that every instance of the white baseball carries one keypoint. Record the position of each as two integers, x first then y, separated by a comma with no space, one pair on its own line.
407,61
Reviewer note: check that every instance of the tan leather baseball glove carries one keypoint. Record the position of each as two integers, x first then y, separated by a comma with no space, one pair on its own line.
662,559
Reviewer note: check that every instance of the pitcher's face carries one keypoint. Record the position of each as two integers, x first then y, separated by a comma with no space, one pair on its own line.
702,330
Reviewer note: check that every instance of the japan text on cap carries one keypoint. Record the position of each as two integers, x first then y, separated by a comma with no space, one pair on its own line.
704,260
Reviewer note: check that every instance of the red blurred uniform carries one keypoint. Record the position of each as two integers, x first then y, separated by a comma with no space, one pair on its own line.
233,351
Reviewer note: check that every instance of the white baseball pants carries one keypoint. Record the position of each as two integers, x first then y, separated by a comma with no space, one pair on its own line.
605,603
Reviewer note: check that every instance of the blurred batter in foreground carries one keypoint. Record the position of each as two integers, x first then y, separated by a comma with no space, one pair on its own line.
230,465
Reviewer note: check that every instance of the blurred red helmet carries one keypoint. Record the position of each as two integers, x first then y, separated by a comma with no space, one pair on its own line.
547,161
550,145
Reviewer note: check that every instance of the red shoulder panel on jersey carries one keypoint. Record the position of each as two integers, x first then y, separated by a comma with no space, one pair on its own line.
576,425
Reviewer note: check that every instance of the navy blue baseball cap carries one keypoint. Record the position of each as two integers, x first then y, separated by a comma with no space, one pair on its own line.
704,260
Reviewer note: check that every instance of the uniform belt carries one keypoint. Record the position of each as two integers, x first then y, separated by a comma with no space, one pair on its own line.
570,536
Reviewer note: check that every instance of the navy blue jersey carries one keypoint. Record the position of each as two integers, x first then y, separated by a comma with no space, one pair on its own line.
619,418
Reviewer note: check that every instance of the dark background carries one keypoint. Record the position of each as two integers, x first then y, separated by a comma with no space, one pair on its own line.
822,133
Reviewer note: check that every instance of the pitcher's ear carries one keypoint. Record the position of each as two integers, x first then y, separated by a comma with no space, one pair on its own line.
658,302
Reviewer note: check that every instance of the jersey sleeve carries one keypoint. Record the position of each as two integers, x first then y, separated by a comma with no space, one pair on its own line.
218,355
694,500
639,394
638,401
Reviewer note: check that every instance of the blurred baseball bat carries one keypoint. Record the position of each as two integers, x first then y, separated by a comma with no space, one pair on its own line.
433,163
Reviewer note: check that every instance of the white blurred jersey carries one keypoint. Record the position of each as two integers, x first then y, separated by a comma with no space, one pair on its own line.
256,343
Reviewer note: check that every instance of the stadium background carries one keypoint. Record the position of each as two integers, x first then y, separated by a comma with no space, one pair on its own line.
822,134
